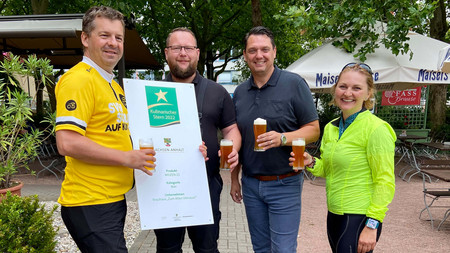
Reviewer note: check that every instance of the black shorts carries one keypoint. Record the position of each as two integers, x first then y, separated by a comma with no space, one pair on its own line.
344,230
97,228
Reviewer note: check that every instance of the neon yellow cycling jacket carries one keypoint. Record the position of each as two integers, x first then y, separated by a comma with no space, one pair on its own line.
358,167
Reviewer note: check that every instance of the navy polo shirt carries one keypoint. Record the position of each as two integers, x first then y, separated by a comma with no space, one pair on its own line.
286,103
218,113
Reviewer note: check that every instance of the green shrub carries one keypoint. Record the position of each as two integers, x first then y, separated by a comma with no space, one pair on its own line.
326,112
442,133
25,225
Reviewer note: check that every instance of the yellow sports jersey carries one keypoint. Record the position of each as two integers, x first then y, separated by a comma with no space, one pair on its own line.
88,104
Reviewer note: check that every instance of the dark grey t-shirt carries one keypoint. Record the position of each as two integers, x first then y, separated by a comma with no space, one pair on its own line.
286,103
217,113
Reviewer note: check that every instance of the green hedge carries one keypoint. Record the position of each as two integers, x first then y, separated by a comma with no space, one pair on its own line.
25,225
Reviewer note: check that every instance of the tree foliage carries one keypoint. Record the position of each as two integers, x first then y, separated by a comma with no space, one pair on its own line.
14,7
356,20
291,44
219,26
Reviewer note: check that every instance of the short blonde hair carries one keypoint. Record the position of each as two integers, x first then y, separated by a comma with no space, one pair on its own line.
368,104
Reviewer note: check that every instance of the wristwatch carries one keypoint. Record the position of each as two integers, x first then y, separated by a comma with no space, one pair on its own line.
372,223
283,140
312,163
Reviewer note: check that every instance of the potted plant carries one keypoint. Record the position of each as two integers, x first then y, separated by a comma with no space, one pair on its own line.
18,142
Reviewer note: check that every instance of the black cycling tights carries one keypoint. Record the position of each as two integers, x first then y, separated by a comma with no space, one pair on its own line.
343,231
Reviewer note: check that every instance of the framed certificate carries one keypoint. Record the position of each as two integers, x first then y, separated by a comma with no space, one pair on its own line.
177,194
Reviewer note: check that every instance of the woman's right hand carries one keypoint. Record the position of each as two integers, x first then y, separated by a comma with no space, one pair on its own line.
307,159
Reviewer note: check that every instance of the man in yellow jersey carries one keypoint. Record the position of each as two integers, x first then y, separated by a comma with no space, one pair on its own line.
92,132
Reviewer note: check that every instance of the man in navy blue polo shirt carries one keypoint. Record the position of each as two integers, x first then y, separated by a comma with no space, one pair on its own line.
271,189
216,112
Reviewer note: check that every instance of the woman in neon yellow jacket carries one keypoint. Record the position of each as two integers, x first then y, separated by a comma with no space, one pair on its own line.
357,160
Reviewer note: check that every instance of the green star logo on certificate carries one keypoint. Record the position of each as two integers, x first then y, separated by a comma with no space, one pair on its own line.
162,106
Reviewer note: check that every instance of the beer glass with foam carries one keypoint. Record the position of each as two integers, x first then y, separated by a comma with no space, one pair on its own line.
298,147
259,127
147,143
226,146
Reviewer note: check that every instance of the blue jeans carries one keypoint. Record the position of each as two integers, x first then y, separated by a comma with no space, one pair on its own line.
273,211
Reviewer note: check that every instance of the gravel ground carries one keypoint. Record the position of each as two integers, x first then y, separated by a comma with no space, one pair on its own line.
403,231
65,242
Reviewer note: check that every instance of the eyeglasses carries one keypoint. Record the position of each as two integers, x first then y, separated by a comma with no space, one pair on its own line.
361,65
177,49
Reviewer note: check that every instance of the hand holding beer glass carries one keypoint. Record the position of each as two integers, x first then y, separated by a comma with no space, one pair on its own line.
226,147
147,143
298,147
259,127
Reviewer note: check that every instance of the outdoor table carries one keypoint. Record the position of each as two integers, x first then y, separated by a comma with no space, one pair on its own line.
442,174
411,137
436,146
408,152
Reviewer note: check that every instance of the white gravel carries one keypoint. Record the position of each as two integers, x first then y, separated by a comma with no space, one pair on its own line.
65,242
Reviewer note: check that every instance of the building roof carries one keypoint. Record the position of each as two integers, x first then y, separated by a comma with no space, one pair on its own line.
57,37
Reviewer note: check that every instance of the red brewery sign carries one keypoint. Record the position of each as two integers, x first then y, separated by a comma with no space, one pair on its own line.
401,97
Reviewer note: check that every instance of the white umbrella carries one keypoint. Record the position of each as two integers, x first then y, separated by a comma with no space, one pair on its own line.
321,66
444,60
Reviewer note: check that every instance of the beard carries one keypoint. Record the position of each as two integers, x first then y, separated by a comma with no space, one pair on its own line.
179,73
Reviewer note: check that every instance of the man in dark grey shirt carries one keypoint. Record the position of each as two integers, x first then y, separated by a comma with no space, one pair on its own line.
216,112
271,188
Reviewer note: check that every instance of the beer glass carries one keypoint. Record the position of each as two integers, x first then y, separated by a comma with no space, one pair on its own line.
259,127
147,143
226,146
298,147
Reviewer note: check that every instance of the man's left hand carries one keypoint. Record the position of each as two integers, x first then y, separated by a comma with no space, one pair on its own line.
204,151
